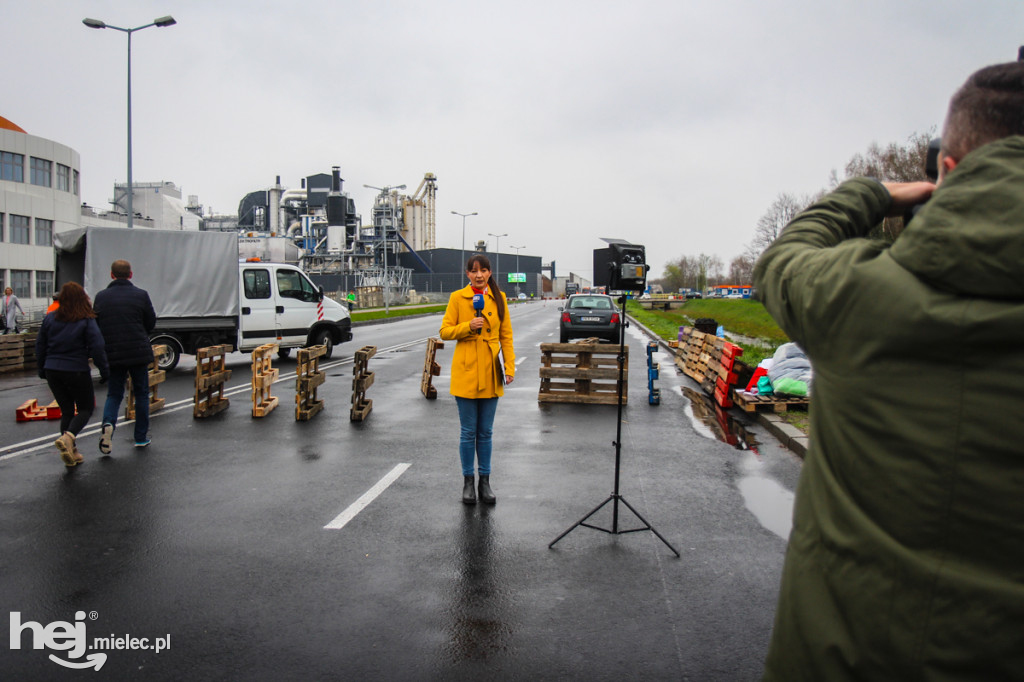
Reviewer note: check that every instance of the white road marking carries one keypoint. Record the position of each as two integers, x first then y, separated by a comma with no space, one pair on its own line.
44,442
368,497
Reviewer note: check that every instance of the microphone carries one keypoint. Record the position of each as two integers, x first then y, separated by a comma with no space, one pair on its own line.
478,306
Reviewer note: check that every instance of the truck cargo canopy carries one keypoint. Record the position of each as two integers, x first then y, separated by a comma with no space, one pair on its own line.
187,274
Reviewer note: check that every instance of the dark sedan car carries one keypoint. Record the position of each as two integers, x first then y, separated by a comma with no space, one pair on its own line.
587,315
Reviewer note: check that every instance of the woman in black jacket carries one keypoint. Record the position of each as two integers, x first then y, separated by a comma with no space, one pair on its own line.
67,339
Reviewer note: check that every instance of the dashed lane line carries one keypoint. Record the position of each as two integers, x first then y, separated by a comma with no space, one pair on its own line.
369,496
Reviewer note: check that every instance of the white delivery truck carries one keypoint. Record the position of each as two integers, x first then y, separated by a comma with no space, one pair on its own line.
203,294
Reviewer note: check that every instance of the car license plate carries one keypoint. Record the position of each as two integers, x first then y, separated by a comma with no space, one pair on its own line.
590,318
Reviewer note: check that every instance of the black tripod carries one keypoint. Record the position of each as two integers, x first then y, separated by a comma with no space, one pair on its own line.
615,497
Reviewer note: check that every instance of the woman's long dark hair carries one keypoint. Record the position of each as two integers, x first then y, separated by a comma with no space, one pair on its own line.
485,264
74,303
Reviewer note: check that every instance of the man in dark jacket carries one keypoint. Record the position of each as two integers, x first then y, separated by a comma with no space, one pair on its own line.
126,316
906,559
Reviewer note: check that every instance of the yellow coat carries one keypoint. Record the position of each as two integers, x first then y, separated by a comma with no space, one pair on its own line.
474,364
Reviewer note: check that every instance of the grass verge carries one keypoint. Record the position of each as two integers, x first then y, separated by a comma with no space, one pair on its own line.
740,316
396,312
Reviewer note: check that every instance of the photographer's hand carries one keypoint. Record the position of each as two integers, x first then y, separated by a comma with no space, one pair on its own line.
906,195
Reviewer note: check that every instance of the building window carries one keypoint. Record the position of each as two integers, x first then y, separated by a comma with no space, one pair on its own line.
19,229
44,284
21,282
44,232
1,231
63,178
42,172
74,176
12,167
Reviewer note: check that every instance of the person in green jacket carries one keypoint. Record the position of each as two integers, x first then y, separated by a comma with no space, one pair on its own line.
906,558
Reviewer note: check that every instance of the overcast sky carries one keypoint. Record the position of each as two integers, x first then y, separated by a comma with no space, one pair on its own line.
672,124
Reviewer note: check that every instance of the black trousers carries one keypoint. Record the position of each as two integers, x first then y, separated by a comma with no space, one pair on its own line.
72,390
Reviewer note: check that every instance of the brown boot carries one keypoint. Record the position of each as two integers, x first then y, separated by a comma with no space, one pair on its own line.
66,447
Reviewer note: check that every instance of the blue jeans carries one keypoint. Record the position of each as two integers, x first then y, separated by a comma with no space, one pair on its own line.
476,417
115,393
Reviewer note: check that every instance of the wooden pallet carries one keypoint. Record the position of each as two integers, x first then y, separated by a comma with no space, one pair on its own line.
210,377
12,353
777,403
156,377
31,411
709,360
582,373
362,380
431,369
308,378
263,377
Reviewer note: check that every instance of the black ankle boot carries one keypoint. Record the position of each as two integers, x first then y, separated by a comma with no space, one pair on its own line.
468,492
486,494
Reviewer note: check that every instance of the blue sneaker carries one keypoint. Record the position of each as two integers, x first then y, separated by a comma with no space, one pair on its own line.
143,443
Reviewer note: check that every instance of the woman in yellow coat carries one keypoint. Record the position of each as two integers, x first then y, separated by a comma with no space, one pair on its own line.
478,376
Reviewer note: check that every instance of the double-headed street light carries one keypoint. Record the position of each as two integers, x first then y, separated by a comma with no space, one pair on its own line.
464,216
161,22
497,250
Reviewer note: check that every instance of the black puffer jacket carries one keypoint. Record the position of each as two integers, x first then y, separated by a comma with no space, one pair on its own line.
126,316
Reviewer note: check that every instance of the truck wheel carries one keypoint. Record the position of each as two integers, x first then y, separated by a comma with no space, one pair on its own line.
324,338
168,360
283,352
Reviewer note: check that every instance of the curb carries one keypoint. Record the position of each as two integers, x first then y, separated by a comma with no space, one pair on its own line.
788,435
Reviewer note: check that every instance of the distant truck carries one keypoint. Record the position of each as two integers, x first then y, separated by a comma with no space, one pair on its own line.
203,294
571,288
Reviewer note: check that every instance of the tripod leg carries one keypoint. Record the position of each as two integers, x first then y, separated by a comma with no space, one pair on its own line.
650,527
580,522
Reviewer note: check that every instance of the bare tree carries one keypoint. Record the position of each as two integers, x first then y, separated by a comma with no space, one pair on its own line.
770,225
893,163
741,270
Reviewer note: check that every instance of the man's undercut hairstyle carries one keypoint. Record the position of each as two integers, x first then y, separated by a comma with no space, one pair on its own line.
988,107
121,269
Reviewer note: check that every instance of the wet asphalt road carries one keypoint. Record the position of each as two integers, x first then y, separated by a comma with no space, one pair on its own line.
213,539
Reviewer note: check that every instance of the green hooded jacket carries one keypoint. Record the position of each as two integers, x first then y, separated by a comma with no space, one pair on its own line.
906,559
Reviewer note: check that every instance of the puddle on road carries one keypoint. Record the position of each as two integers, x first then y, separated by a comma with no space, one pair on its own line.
765,498
712,421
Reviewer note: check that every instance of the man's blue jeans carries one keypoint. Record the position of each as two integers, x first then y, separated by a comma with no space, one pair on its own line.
476,417
115,393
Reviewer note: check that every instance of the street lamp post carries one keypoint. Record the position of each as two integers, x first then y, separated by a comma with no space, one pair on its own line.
517,248
384,192
161,22
497,251
464,216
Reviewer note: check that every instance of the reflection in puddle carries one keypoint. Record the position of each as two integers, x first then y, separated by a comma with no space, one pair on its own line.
769,502
710,420
766,499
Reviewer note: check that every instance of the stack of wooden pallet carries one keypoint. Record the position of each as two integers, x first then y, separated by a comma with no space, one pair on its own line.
307,378
709,360
585,373
17,352
752,402
211,374
362,380
264,374
156,377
